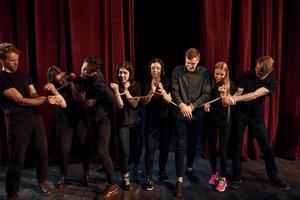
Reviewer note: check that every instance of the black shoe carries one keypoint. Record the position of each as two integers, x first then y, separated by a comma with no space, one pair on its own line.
235,183
192,176
178,190
108,192
126,184
148,185
163,177
46,190
13,197
278,183
61,183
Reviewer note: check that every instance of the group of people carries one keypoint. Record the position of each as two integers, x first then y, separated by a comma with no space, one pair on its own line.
87,105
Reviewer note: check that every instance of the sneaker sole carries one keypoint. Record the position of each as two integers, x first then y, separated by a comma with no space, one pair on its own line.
221,190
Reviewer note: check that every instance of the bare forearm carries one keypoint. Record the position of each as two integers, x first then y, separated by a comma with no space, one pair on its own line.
32,101
251,95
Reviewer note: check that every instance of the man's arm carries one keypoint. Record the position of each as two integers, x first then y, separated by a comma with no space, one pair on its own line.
238,97
262,91
14,95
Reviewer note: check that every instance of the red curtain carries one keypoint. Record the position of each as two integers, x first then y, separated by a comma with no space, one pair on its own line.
62,33
238,32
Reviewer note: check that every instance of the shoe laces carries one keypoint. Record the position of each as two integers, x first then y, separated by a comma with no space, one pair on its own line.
222,181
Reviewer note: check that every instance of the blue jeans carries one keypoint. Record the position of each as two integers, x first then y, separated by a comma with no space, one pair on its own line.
129,141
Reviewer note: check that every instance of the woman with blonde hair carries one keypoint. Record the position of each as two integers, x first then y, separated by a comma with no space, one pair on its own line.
219,119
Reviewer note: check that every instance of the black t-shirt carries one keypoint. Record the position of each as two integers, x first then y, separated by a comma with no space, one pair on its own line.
219,115
157,107
249,82
128,115
20,82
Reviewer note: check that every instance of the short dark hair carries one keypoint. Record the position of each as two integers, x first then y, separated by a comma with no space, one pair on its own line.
94,64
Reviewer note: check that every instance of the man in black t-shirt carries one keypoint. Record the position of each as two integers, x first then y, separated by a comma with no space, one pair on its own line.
18,101
253,87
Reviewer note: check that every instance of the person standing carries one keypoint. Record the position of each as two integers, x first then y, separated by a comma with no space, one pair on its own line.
100,100
20,100
219,121
157,120
190,89
127,96
70,121
253,87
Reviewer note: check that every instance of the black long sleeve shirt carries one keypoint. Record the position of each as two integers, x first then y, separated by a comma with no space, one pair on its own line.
191,87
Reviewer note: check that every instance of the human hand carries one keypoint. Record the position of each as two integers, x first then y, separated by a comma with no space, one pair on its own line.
207,107
186,111
115,88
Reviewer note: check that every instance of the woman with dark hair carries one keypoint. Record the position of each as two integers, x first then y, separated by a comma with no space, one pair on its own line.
100,100
157,119
70,120
127,92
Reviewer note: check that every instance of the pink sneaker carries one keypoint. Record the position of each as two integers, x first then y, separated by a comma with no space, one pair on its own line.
214,179
221,185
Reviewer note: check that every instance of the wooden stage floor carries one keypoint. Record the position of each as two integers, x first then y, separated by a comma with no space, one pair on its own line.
255,185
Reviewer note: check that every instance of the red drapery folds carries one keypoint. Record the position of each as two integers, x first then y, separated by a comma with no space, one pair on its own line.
238,33
62,33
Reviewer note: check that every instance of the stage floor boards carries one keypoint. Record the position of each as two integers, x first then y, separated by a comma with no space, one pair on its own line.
255,184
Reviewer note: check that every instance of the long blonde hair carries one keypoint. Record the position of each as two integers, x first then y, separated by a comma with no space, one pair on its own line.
226,80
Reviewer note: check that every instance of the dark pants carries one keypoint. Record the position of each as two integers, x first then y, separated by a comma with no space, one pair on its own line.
258,130
129,137
157,131
21,129
102,130
188,135
212,137
65,131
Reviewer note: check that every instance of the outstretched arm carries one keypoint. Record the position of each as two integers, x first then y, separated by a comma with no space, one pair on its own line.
238,97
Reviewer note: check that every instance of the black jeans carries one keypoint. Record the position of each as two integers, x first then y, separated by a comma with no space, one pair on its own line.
258,130
188,135
129,144
21,129
65,131
212,137
157,131
102,130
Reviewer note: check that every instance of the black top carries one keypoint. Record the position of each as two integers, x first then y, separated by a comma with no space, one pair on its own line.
250,83
74,111
157,107
20,82
190,87
219,115
128,115
96,87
